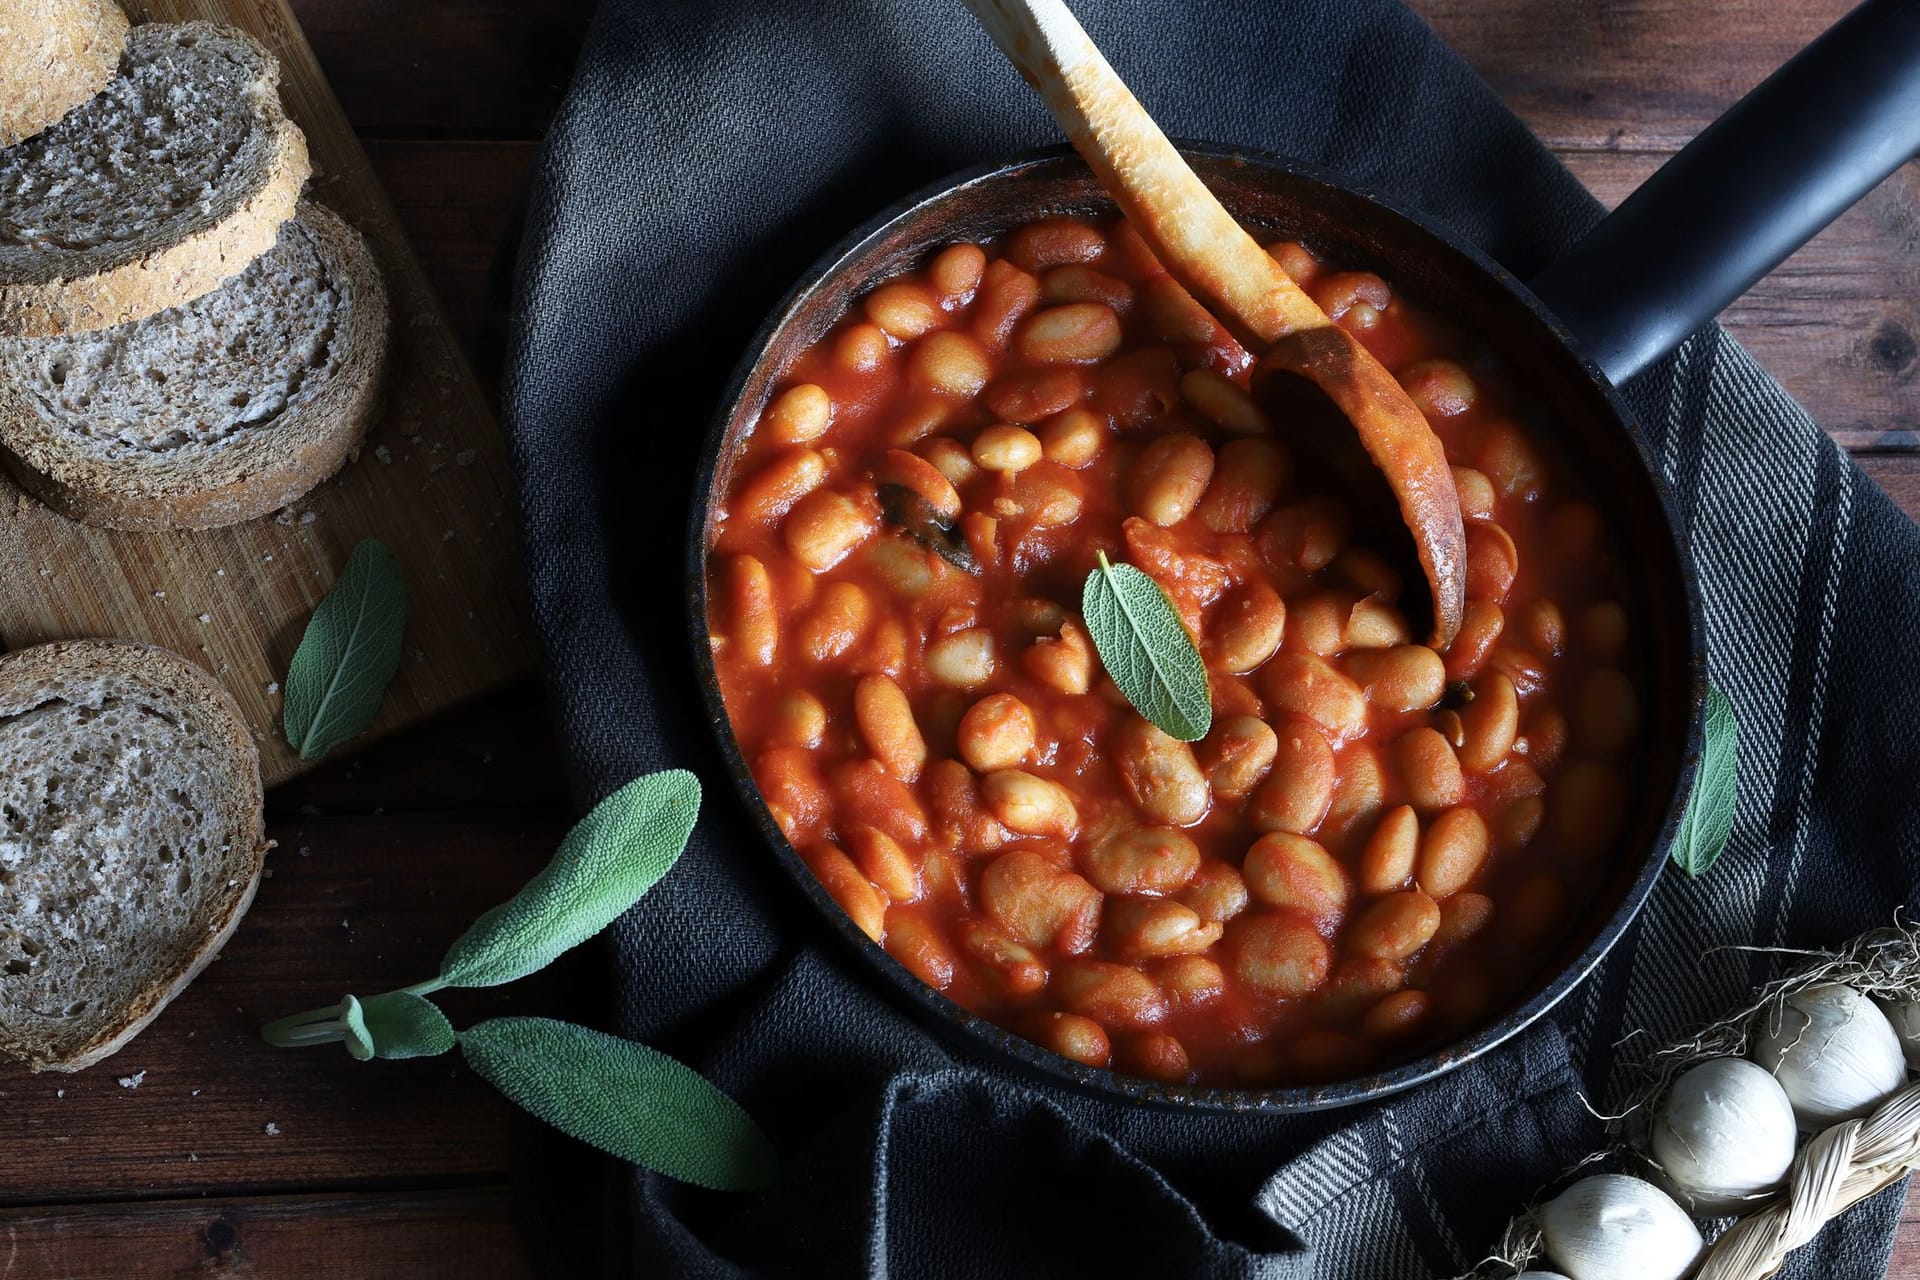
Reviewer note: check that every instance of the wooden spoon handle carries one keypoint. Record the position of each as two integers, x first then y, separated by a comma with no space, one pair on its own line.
1184,224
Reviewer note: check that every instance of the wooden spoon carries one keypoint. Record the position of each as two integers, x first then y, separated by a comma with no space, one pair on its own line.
1215,259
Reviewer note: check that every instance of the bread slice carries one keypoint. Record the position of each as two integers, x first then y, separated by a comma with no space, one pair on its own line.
131,841
149,194
54,55
222,410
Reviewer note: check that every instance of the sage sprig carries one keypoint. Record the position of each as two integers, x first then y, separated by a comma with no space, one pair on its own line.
563,1074
1708,819
613,856
623,1097
347,655
400,1024
1146,649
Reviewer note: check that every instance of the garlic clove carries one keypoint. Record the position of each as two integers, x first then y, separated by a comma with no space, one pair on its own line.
1833,1052
1612,1227
1725,1133
1904,1016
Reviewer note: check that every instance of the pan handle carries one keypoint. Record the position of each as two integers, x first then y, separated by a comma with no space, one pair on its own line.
1758,183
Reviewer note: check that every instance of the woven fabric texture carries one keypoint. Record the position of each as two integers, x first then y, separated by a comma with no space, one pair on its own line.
705,155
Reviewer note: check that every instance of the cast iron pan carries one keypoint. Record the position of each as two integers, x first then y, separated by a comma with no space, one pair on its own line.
1760,182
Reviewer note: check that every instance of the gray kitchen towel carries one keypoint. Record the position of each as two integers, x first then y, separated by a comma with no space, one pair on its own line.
706,154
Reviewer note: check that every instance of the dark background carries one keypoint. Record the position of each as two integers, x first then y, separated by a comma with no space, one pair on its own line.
402,1168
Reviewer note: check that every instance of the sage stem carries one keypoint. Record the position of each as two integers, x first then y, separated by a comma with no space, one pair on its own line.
308,1034
278,1031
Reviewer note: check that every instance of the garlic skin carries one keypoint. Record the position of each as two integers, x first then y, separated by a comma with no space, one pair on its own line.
1904,1016
1612,1227
1834,1053
1725,1132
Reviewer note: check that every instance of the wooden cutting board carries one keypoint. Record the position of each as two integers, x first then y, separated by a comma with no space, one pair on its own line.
431,482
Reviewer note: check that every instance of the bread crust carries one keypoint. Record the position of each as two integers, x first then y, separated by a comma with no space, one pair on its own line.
54,55
135,279
242,799
273,466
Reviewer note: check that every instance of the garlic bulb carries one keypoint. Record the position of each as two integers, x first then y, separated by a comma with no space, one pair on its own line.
1725,1132
1905,1017
1612,1227
1832,1051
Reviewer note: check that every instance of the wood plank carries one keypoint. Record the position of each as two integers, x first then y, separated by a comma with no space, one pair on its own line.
461,203
433,484
1899,475
1838,322
1627,73
447,1235
1905,1262
447,68
1617,87
351,904
498,752
1634,75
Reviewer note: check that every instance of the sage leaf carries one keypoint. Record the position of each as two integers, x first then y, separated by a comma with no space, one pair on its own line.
359,1042
1708,819
401,1024
1146,649
613,856
624,1098
348,654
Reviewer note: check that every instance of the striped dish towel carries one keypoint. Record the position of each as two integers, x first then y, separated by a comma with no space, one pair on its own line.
706,154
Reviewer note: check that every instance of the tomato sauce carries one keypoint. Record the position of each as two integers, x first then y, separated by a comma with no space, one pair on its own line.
1376,848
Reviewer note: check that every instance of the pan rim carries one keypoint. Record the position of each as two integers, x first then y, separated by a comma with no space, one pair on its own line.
999,1044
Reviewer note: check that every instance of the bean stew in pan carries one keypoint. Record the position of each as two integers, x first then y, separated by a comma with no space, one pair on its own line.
1376,849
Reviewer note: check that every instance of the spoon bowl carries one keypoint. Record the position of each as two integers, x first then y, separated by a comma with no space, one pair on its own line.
1208,251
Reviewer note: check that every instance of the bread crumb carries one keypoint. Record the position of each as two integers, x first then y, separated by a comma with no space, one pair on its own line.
273,1130
383,453
306,850
273,686
206,617
219,573
159,595
132,1081
268,557
309,517
59,1093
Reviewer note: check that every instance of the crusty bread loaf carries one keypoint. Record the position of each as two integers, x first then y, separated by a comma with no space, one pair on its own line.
131,841
221,410
167,182
54,55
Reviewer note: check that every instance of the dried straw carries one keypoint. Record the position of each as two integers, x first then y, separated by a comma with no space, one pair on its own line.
1836,1169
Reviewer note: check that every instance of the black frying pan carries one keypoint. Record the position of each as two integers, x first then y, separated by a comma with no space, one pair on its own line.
1745,194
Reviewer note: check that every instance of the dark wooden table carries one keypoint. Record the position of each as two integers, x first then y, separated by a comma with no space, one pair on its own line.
197,1151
